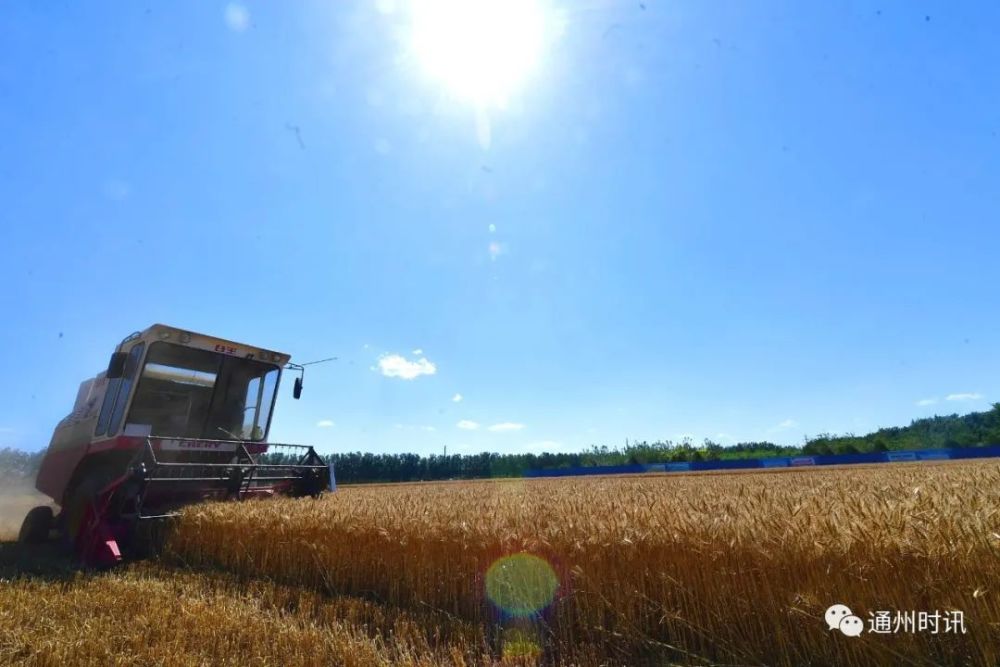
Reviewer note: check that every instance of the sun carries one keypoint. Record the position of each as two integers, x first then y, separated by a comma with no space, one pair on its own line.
481,51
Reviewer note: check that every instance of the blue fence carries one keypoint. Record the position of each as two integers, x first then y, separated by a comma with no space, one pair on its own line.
987,451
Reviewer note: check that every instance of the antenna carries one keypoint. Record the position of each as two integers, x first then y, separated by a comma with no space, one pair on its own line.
320,361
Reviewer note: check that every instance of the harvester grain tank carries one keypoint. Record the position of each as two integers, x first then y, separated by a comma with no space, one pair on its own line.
177,417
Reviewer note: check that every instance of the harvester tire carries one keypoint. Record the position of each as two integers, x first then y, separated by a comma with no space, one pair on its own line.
80,498
36,526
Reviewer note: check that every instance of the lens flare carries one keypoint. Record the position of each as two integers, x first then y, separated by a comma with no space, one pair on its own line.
521,584
519,643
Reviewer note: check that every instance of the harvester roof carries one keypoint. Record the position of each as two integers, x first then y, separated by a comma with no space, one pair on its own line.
162,332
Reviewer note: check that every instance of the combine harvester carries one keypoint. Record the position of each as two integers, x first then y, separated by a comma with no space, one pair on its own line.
177,418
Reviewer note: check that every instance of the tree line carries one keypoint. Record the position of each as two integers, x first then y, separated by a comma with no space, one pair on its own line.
974,429
17,466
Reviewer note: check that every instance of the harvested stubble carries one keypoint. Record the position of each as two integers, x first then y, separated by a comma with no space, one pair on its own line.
148,615
719,568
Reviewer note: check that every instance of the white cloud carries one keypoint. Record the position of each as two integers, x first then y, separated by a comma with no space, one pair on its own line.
724,436
467,425
963,397
784,426
457,398
325,423
397,366
418,352
237,17
927,401
505,426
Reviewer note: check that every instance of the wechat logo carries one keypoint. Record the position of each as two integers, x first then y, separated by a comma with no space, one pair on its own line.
839,617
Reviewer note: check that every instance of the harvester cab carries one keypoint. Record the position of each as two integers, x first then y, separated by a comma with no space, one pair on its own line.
176,418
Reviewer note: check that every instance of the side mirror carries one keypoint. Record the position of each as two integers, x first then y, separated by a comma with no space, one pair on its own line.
116,367
297,389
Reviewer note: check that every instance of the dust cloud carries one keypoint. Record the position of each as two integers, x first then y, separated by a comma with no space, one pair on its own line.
16,498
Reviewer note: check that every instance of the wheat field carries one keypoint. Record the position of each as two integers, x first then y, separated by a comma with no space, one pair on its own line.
710,568
154,615
694,569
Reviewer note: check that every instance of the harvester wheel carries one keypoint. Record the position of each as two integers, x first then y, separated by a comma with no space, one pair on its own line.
36,526
80,499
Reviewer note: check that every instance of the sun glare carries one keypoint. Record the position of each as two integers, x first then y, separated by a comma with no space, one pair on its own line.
480,50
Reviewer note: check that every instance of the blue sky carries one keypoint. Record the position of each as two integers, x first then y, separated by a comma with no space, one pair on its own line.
731,220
